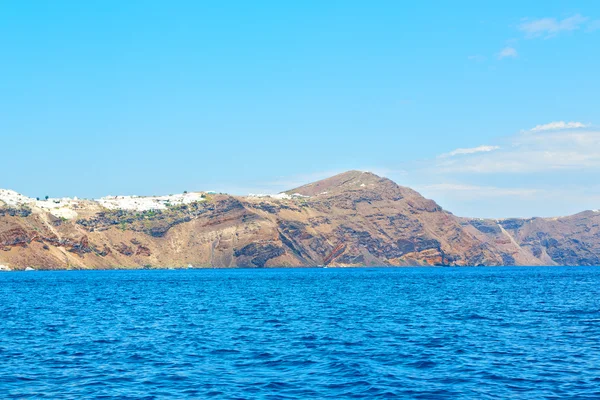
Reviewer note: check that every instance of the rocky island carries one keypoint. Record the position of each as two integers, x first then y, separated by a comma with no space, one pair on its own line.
351,219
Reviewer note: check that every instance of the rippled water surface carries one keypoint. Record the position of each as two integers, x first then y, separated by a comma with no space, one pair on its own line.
313,333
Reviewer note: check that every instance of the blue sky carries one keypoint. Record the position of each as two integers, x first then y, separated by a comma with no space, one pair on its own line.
157,97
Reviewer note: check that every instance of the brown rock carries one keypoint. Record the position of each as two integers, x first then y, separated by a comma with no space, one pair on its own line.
353,219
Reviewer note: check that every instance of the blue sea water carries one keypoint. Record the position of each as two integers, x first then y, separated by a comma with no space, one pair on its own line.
302,333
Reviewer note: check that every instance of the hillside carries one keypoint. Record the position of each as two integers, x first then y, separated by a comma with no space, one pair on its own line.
351,219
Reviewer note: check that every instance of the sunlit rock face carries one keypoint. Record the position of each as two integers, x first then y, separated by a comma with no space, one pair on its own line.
351,219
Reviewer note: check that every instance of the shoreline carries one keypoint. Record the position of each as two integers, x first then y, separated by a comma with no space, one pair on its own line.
454,267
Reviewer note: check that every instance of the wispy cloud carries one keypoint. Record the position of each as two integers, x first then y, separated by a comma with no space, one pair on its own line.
478,191
508,52
550,27
500,202
552,126
472,150
548,147
546,169
593,25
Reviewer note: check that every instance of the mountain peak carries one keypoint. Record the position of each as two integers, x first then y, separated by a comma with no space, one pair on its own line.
349,180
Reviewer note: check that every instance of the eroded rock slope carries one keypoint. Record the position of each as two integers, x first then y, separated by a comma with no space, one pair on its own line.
352,219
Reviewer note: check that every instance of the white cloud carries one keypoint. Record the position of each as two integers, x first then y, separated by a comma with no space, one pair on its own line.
547,170
549,27
508,52
478,191
552,126
559,146
472,150
531,199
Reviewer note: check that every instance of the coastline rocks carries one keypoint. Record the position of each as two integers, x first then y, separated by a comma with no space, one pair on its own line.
352,219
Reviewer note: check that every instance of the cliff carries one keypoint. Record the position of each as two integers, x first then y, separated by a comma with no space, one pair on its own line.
352,219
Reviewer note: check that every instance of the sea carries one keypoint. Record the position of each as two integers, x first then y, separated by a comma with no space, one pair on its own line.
424,333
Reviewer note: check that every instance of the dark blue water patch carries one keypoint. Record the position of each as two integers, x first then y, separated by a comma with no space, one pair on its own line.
306,333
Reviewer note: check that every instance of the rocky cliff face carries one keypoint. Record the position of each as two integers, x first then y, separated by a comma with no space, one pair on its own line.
572,240
352,219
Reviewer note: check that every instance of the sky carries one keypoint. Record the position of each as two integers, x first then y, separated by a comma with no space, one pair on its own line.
491,110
